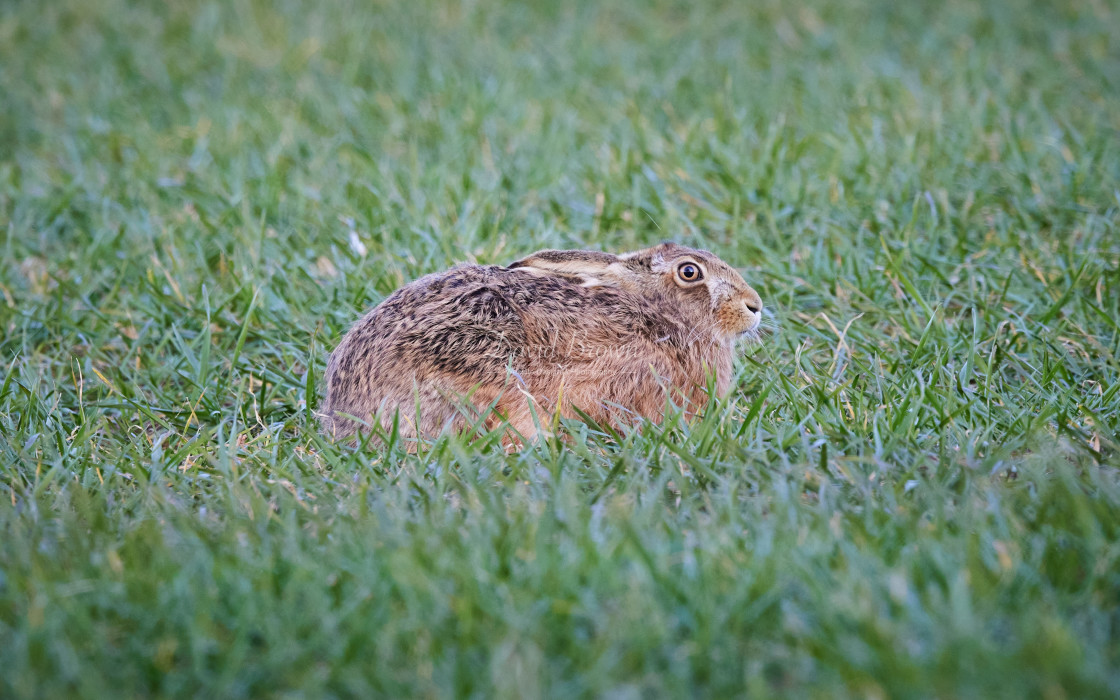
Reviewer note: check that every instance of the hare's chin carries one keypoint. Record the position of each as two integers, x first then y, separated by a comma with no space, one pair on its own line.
748,337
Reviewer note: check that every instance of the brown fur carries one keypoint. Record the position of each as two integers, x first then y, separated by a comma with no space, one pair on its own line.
559,329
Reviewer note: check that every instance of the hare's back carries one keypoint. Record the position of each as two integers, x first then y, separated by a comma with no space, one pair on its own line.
456,322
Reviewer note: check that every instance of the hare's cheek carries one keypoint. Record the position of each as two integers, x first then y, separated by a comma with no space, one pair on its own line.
732,319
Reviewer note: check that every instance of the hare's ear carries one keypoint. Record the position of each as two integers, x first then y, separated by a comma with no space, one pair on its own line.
587,268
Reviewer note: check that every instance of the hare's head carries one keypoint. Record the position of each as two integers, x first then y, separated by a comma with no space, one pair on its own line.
706,290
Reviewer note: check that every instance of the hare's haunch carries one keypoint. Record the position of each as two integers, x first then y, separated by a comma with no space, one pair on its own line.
611,335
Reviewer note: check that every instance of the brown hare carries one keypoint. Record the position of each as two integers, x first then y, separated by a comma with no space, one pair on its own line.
611,335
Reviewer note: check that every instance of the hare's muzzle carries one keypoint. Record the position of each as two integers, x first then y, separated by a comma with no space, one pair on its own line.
752,314
752,305
740,313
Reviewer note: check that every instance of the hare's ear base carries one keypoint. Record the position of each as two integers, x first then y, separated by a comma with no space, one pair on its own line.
584,267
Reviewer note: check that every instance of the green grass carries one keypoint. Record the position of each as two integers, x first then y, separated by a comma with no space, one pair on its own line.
913,491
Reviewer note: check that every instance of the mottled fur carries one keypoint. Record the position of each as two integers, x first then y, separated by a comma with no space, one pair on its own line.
609,334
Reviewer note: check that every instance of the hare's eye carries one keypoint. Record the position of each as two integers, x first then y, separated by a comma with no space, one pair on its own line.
689,272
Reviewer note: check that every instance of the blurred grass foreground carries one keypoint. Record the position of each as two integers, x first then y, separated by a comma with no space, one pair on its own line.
912,492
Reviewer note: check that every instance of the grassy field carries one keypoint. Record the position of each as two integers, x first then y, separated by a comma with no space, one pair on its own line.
913,491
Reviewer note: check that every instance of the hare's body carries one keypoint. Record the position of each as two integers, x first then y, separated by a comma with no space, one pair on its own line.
556,330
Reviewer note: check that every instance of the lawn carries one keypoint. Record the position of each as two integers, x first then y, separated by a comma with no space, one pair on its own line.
912,491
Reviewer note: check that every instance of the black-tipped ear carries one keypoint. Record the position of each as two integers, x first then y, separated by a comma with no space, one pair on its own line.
566,259
585,267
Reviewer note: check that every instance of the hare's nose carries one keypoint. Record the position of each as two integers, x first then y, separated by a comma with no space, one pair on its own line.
752,301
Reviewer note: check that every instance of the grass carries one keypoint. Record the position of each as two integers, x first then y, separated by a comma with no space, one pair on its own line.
913,490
